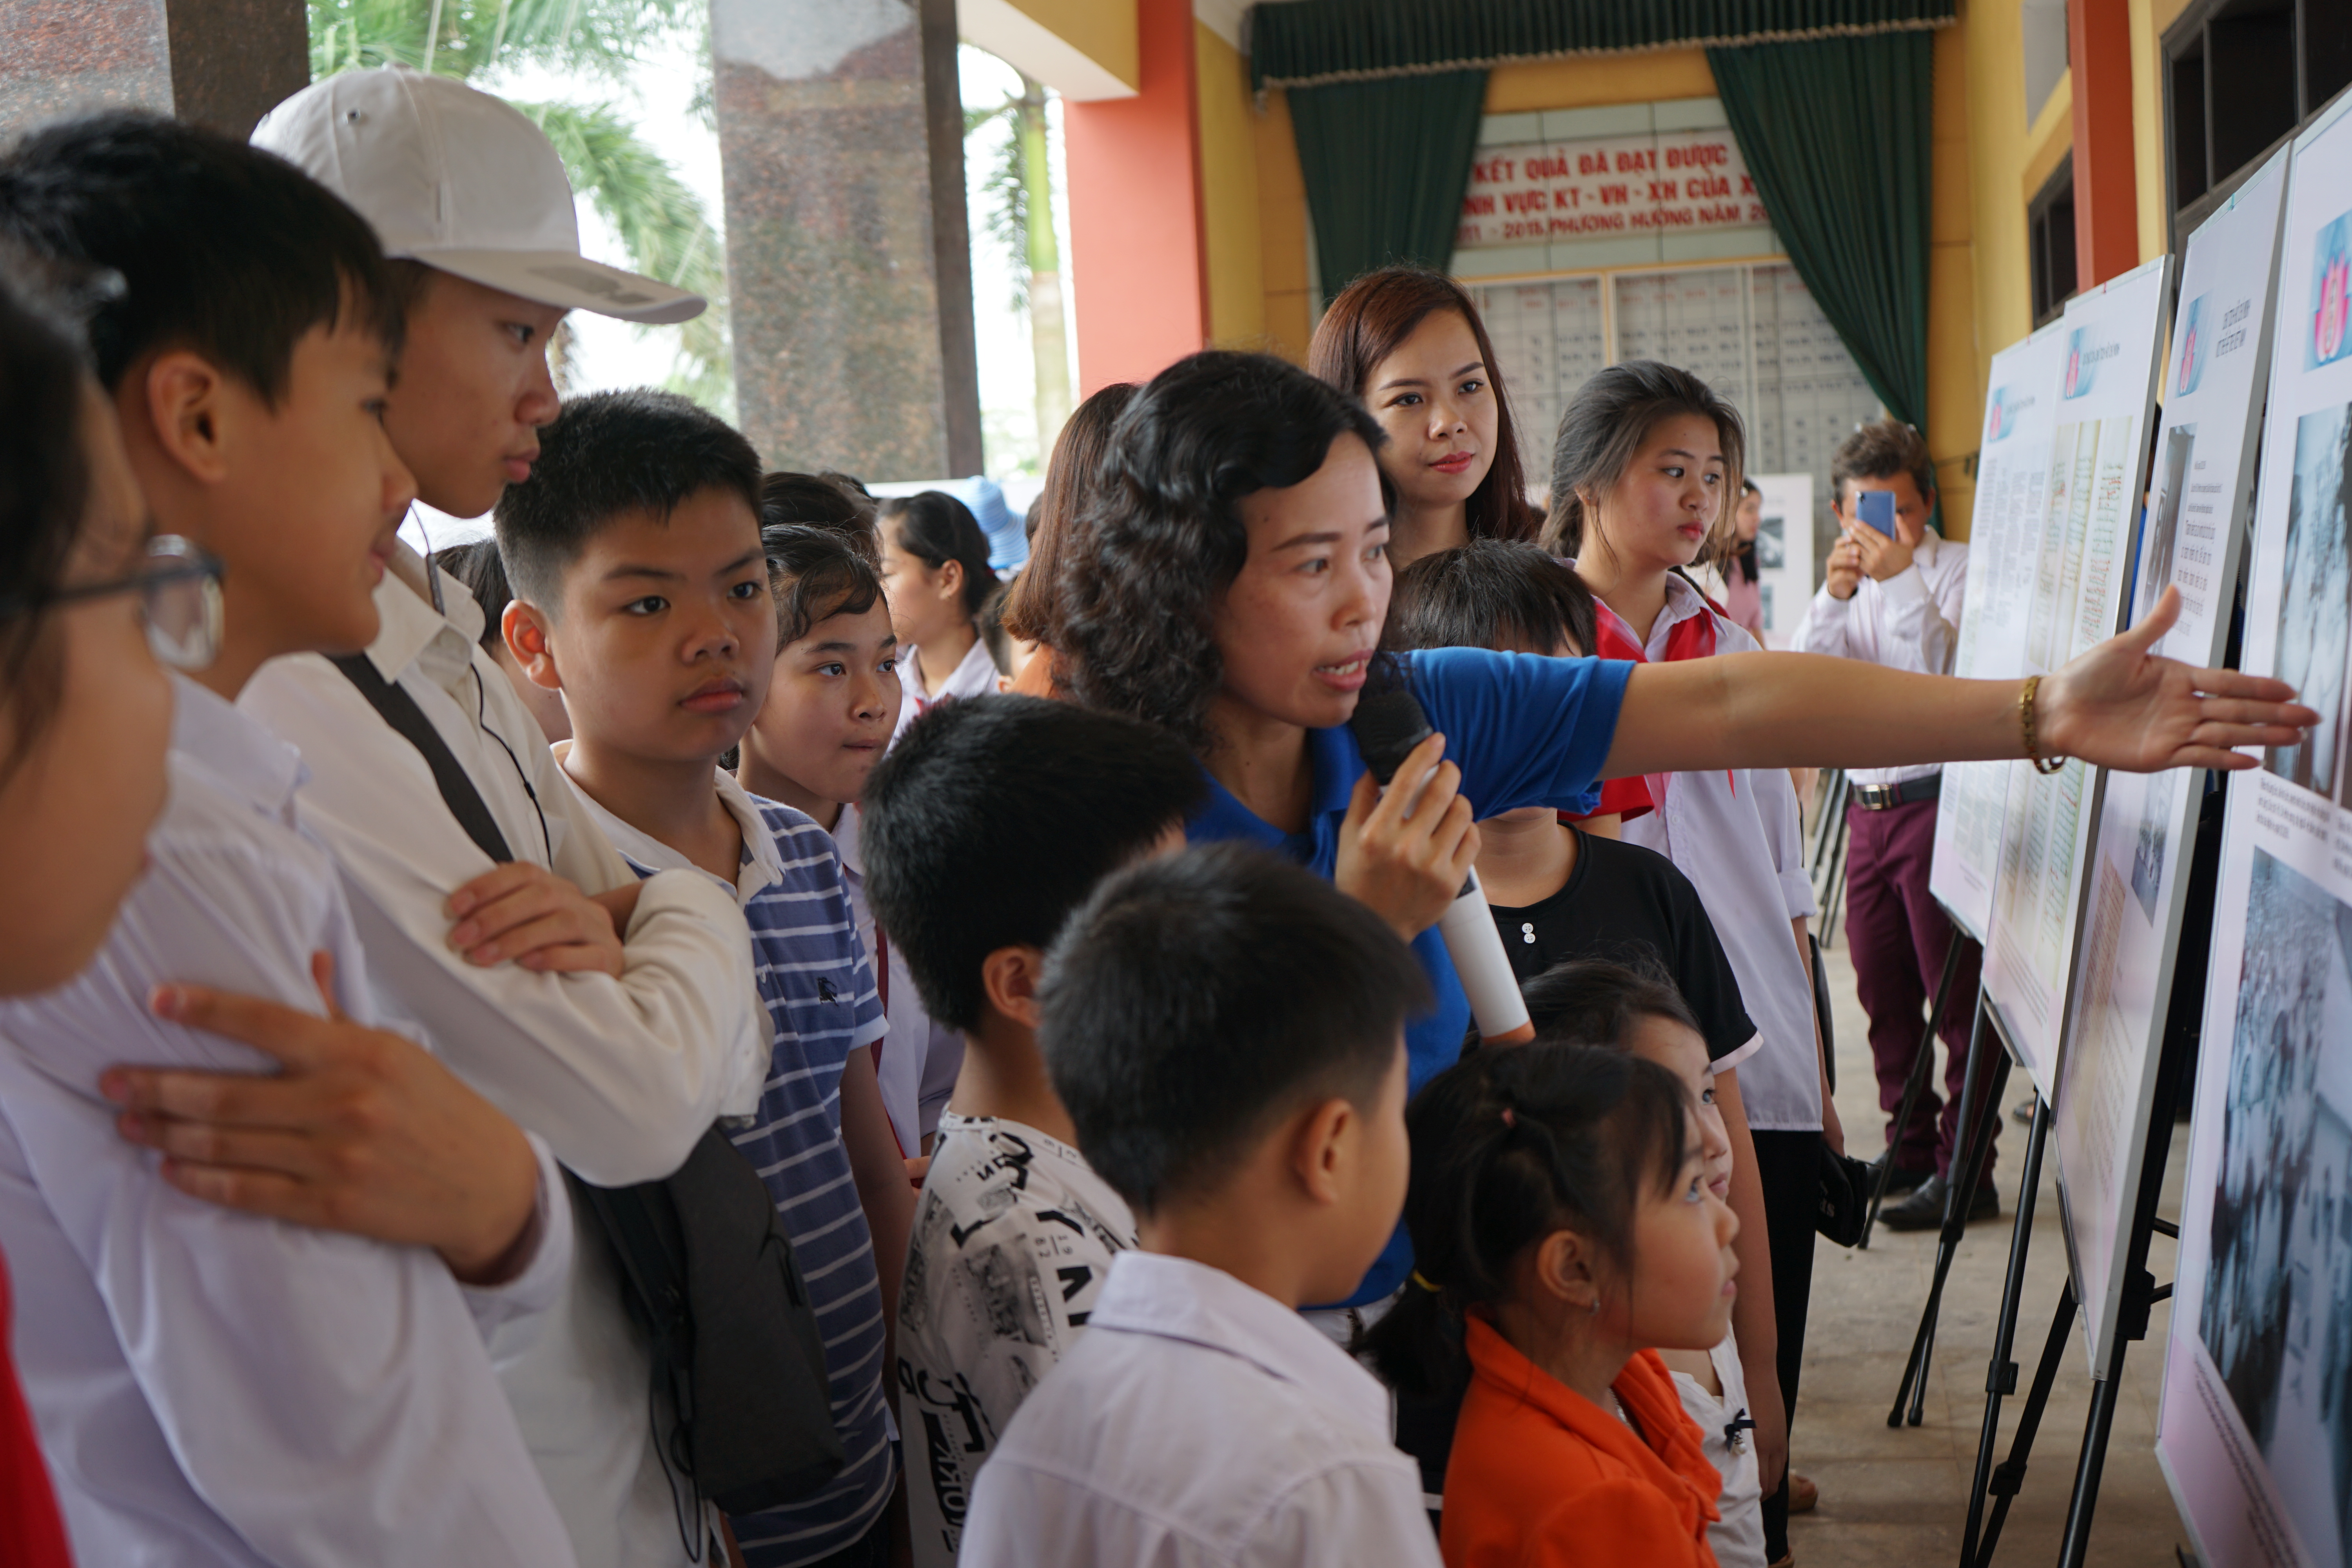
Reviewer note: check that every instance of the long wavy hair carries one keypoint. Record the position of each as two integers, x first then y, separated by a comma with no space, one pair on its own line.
1375,315
1164,533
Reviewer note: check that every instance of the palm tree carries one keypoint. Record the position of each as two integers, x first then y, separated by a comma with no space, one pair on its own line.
659,220
1021,216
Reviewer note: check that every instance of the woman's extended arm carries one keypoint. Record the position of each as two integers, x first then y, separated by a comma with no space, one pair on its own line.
2116,706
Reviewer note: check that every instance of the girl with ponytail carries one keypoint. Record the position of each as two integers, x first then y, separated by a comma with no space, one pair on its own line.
1563,1227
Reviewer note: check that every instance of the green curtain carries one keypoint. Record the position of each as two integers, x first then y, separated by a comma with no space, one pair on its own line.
1386,165
1307,43
1836,134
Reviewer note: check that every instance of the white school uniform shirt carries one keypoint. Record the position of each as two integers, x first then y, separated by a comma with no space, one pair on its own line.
212,1387
1911,620
1013,1243
975,677
1737,836
1737,1535
1199,1422
916,1063
620,1075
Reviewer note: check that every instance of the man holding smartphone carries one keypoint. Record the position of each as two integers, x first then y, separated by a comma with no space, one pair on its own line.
1892,597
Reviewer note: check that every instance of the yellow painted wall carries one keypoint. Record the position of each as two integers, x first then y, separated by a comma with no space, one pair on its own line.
1954,373
1997,140
1654,74
1105,31
1289,320
1233,246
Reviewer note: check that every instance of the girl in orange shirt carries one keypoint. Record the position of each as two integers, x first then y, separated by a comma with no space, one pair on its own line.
1564,1225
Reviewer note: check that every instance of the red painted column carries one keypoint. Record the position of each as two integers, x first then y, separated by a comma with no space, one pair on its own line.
1136,264
2106,197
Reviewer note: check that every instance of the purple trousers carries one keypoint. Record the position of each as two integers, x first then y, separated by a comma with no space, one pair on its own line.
1897,936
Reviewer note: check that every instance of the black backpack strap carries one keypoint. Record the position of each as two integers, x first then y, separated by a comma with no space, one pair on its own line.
457,792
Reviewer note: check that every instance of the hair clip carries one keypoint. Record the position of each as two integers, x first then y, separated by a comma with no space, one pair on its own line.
1426,1283
1510,1117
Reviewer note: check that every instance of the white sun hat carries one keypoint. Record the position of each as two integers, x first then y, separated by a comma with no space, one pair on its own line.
462,181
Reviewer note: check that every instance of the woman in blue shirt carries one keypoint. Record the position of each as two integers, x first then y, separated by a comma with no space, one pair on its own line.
1235,590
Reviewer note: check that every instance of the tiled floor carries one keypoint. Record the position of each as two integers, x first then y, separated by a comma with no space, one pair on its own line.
1898,1497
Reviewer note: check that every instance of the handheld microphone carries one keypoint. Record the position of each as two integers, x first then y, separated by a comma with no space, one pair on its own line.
1388,725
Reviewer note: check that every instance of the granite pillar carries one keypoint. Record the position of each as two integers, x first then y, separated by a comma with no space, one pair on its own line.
220,63
63,57
233,61
848,251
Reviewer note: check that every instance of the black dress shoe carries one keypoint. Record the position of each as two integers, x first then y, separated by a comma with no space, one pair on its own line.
2022,1111
1904,1178
1924,1209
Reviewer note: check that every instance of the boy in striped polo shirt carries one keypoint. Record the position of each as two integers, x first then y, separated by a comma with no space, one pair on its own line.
641,593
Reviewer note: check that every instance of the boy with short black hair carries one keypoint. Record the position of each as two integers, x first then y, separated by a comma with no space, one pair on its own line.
215,1388
1896,599
1227,1032
642,594
985,826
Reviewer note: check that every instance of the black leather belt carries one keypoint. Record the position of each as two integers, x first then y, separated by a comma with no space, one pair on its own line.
1885,797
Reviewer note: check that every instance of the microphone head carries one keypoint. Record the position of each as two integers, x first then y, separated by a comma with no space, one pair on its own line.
1388,724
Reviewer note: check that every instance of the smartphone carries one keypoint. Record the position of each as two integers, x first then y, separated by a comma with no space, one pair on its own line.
1876,507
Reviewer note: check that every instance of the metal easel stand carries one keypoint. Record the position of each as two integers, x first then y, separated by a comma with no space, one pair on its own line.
1923,1064
1826,855
1977,1131
2000,1485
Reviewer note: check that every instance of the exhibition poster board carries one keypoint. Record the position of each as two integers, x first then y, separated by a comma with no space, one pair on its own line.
2255,1432
2098,459
2200,495
2004,541
1784,552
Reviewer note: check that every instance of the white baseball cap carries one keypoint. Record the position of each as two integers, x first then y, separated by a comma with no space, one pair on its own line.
462,181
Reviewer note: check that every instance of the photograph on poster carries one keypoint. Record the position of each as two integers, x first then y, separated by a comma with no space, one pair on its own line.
2315,618
2279,1241
1772,540
2163,526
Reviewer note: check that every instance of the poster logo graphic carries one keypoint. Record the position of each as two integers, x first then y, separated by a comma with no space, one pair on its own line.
2331,294
2001,418
2192,347
2081,368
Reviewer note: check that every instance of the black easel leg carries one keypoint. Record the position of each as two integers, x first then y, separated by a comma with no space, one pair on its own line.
2087,1471
2010,1473
1965,1167
2000,1374
1922,1064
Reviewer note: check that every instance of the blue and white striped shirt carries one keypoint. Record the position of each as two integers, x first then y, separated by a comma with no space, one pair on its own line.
813,972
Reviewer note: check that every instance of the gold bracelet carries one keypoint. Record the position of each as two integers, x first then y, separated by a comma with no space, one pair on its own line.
2042,764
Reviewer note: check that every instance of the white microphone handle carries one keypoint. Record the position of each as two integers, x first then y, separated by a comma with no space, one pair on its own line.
1477,948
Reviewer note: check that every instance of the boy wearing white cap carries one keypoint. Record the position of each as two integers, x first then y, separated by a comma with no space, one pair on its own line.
620,1079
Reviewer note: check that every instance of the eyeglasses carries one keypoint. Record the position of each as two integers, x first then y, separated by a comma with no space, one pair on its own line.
179,592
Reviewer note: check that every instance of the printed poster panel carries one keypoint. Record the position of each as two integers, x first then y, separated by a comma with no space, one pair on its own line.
2255,1434
2200,492
1784,552
2004,541
2097,471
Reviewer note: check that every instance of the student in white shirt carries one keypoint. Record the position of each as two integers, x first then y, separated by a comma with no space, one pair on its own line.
642,591
213,1387
621,1074
935,569
1897,602
828,720
1227,1032
985,826
1644,467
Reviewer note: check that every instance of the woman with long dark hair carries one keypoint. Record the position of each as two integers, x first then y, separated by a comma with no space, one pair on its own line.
1234,590
1409,344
